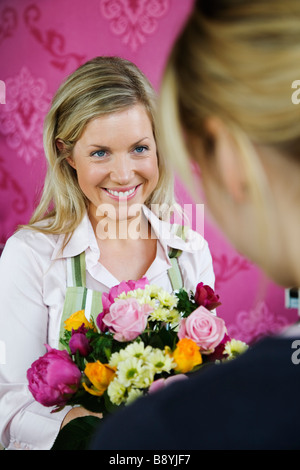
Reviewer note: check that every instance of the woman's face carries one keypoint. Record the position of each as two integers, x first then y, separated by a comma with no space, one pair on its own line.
116,162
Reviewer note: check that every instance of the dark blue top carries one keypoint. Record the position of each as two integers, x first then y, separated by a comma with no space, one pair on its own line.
252,402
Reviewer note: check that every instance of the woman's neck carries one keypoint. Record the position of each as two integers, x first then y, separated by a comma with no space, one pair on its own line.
121,231
127,247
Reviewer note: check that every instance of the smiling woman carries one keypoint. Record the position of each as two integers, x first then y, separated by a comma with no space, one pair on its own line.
95,226
111,86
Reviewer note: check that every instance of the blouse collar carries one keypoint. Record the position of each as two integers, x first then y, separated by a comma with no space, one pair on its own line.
84,238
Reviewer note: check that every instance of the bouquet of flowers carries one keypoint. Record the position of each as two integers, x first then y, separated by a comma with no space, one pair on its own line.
144,339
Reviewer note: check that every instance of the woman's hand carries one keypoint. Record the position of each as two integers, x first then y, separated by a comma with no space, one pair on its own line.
78,412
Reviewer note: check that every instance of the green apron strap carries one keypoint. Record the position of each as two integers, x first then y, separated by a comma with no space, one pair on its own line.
78,297
93,304
174,272
175,276
78,270
174,253
74,300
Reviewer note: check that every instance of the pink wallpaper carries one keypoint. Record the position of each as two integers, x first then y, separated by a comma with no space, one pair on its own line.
41,42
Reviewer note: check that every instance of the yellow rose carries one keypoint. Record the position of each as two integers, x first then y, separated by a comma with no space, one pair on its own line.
186,355
100,375
76,320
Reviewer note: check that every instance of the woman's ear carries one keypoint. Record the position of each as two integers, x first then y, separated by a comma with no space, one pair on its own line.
227,159
62,148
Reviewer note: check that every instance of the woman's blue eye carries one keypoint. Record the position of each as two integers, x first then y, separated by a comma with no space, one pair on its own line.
99,153
141,149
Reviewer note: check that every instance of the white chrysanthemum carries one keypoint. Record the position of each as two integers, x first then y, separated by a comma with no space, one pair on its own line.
133,394
122,296
117,357
140,295
152,290
174,317
145,377
160,314
129,370
161,361
138,350
166,299
234,348
116,392
165,315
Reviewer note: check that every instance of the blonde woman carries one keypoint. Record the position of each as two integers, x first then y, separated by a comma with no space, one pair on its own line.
228,86
95,226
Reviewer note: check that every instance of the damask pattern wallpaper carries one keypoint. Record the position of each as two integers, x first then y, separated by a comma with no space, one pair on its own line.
43,41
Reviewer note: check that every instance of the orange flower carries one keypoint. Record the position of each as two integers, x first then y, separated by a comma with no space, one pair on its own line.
100,375
186,355
76,320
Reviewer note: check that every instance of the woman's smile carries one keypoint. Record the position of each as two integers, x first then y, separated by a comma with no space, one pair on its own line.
122,194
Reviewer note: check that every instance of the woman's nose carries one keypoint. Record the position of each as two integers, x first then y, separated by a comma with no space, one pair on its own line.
122,170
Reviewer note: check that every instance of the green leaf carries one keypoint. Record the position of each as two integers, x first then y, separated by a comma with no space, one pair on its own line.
185,305
165,337
92,403
65,342
77,434
79,360
102,345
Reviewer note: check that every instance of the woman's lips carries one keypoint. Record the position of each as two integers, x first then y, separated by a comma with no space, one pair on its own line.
124,194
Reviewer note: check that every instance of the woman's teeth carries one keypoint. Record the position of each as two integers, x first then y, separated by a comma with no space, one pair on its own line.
121,193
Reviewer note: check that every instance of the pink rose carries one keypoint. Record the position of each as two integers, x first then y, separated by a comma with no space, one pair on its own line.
53,378
124,286
109,298
206,329
206,297
127,319
162,383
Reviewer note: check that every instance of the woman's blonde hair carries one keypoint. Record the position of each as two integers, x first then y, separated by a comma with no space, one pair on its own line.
101,86
235,60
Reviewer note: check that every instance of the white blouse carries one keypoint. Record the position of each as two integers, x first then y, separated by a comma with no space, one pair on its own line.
33,278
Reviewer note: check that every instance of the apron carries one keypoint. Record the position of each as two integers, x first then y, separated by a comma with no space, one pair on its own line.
79,297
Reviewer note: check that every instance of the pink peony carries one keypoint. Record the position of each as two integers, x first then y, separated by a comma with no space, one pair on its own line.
53,378
99,321
206,329
127,319
206,297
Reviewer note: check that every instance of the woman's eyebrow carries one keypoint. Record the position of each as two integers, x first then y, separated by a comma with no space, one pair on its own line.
100,146
105,147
